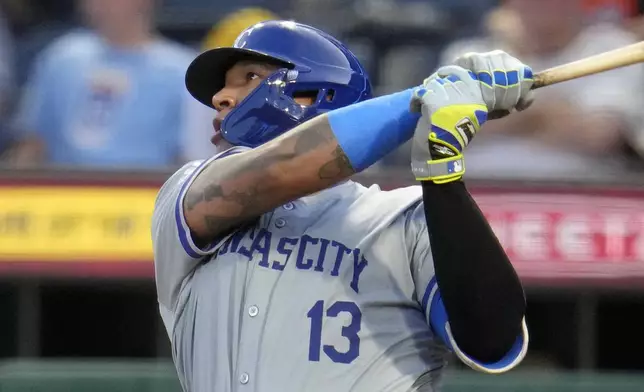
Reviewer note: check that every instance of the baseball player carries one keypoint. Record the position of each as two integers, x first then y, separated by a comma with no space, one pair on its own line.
275,272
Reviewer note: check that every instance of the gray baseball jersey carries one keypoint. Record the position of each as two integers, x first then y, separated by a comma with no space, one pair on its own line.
332,292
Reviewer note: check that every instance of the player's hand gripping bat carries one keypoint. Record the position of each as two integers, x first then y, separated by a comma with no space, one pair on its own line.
618,58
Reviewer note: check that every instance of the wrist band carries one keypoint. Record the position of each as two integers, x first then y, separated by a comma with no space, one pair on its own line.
369,130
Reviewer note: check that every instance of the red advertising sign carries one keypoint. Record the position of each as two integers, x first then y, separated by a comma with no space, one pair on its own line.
569,235
553,234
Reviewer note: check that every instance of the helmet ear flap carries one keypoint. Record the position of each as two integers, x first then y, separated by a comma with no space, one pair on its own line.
265,113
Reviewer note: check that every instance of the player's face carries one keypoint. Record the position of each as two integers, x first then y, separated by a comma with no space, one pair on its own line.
240,81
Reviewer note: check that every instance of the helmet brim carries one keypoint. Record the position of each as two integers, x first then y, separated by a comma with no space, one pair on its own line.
206,75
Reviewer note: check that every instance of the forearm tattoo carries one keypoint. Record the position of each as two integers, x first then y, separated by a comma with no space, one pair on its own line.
242,187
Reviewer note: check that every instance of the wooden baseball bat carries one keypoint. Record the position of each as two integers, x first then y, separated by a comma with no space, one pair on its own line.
622,57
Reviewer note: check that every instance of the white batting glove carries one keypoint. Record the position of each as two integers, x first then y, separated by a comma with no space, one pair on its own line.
453,110
506,82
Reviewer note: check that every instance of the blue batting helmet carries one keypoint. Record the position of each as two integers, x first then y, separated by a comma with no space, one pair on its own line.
311,61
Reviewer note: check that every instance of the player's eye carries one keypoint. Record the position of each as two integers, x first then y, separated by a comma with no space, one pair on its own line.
251,76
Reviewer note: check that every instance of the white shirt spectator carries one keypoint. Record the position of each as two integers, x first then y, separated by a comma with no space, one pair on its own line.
619,91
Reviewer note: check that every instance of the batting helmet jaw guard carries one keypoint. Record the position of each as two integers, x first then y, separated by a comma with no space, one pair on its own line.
311,61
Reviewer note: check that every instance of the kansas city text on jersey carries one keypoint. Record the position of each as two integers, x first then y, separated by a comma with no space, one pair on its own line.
305,253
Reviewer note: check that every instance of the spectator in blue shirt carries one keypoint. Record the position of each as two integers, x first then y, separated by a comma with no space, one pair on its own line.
111,96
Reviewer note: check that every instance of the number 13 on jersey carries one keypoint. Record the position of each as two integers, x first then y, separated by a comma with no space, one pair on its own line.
350,332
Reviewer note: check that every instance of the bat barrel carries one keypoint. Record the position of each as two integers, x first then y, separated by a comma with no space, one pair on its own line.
618,58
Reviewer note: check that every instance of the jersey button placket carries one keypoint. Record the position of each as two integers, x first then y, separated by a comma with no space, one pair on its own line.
288,206
280,223
252,329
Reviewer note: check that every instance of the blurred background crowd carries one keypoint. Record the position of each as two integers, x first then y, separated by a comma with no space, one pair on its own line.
99,84
94,115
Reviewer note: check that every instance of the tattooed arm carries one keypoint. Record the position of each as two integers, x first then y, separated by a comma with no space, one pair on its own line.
239,188
309,158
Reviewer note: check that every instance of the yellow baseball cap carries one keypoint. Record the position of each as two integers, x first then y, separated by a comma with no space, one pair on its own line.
226,31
